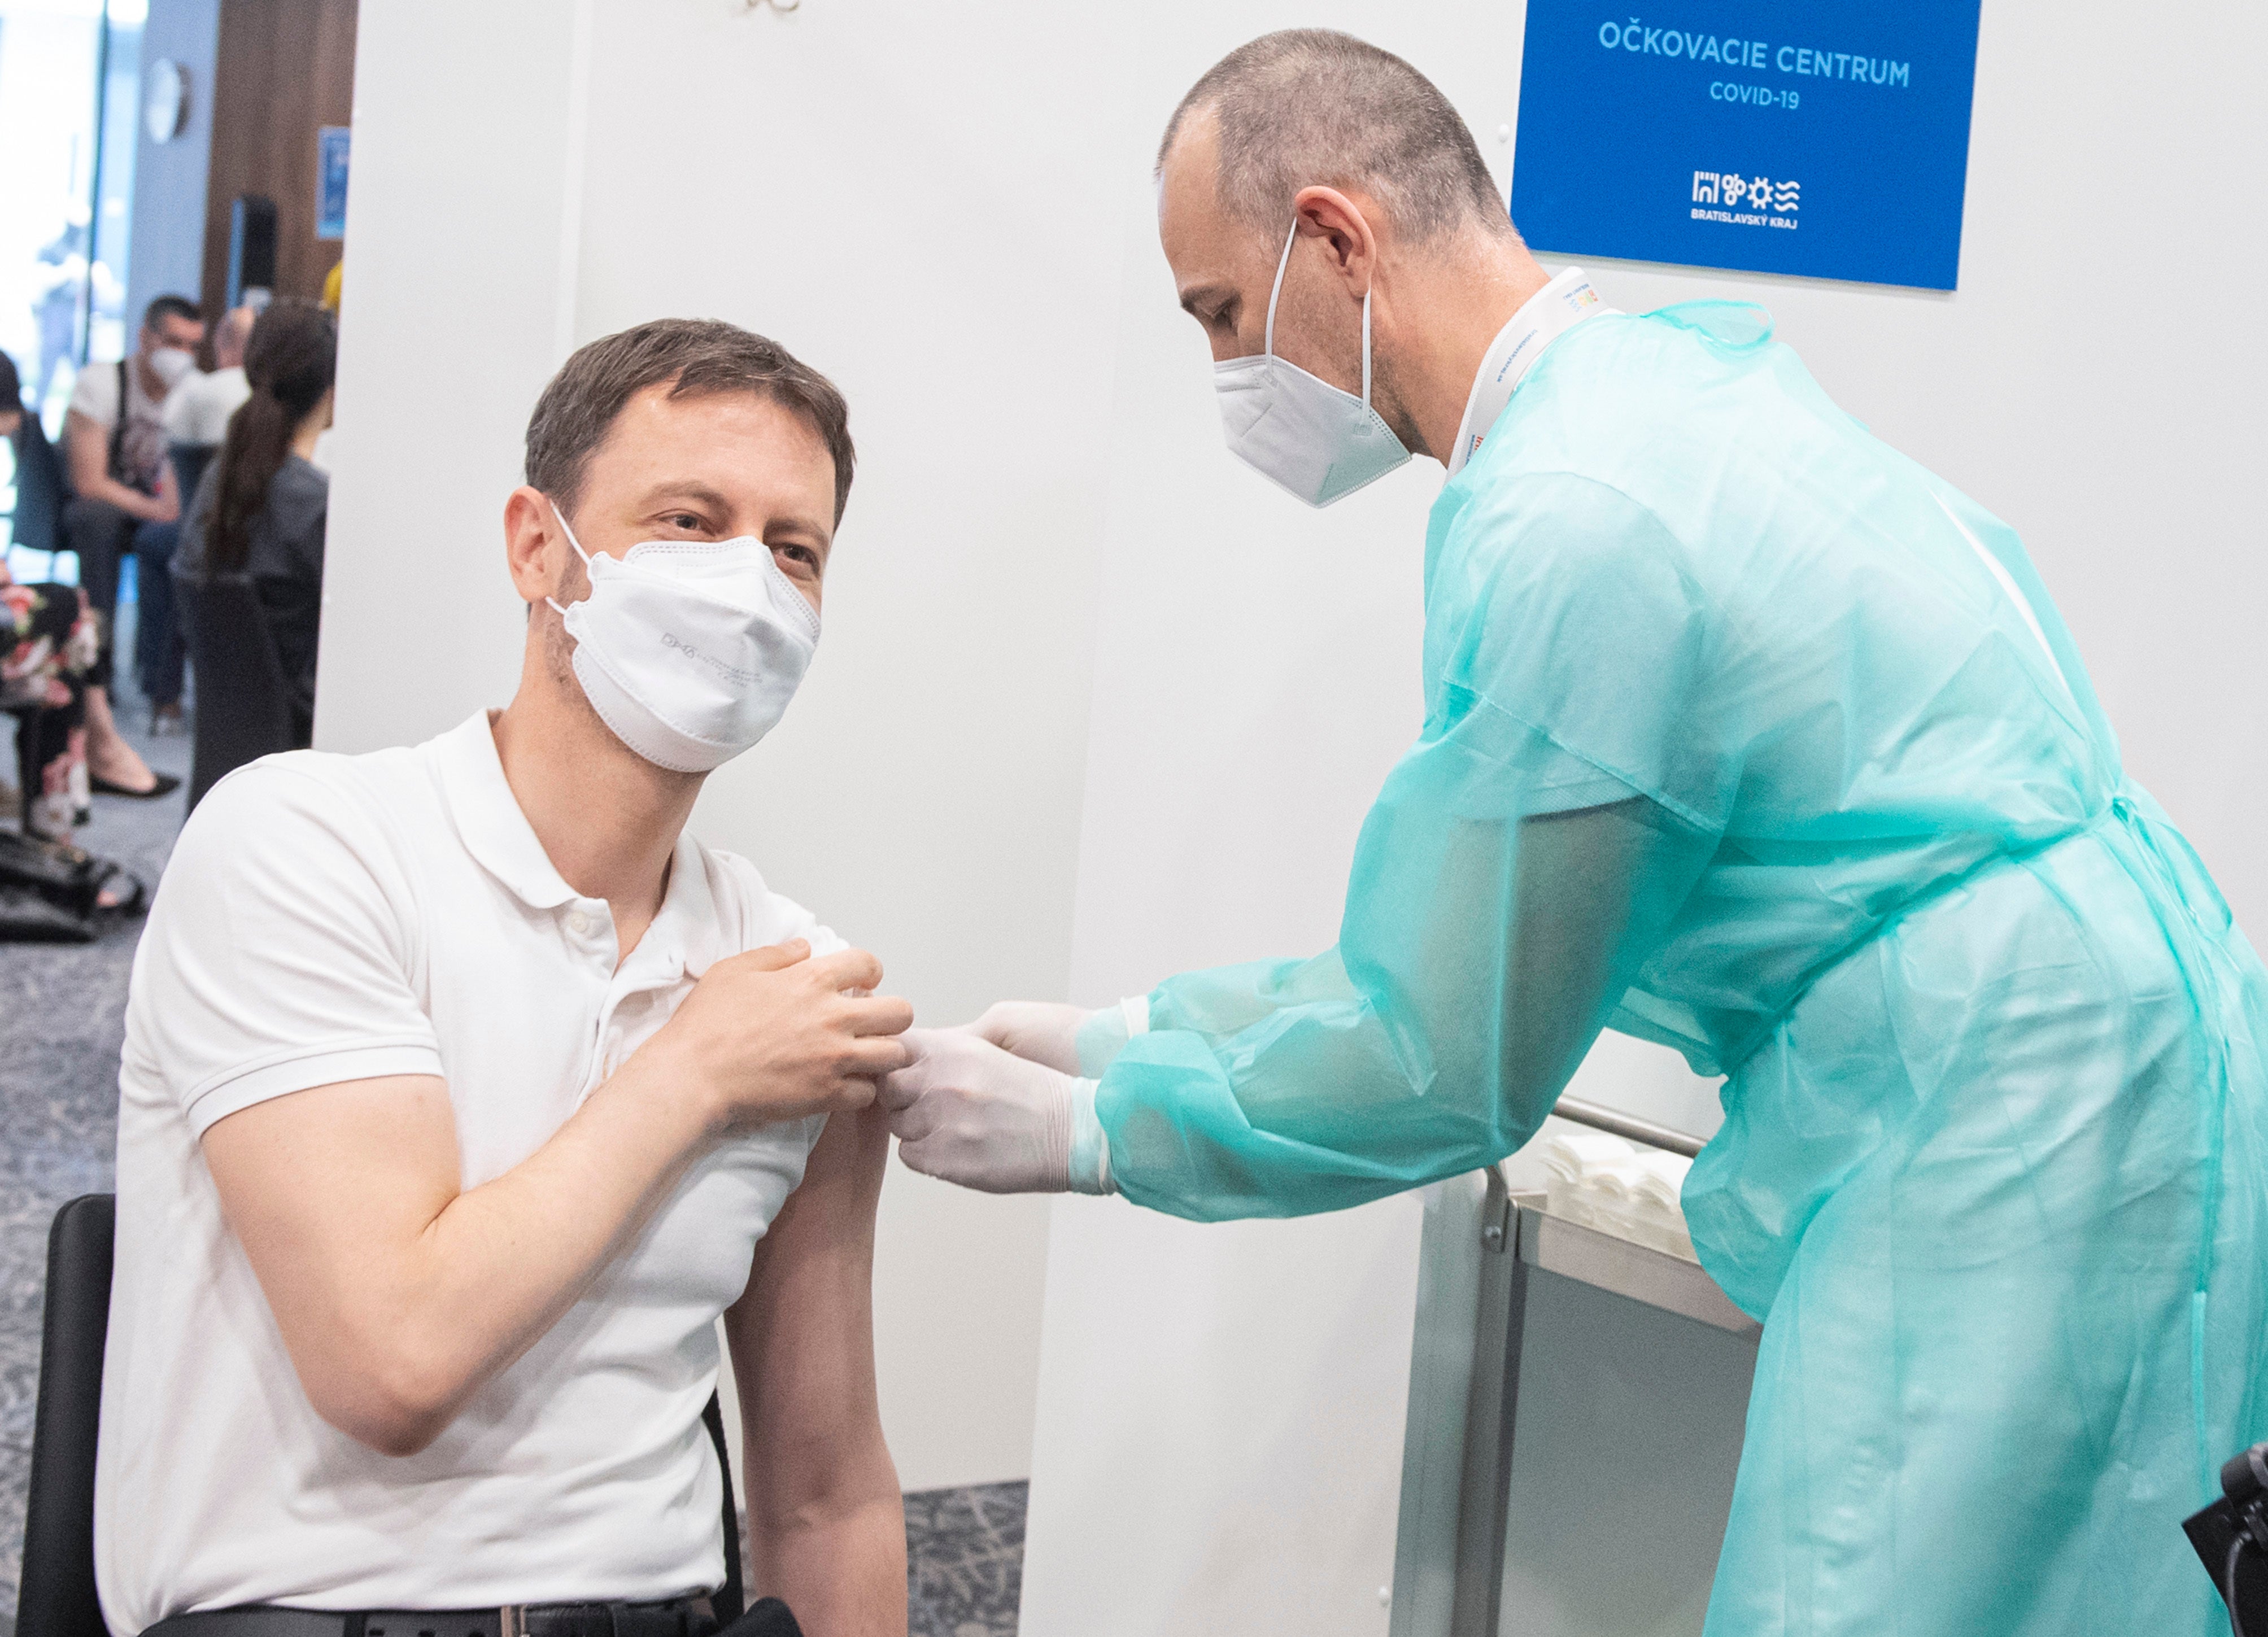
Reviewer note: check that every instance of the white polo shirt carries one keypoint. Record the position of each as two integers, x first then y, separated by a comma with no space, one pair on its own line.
330,918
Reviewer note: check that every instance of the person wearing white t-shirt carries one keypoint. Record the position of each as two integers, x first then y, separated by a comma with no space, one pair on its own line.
114,455
463,1092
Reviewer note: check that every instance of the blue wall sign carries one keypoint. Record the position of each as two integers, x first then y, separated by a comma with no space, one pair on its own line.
331,142
1822,137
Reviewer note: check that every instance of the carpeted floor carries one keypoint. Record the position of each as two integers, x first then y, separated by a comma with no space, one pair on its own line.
965,1561
62,1010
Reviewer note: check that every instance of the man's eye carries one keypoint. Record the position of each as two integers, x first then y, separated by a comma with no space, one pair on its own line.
685,520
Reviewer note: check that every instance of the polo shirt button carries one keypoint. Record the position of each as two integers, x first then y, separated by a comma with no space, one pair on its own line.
578,923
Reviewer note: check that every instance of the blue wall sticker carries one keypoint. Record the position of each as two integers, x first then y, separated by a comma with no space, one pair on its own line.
1822,137
333,144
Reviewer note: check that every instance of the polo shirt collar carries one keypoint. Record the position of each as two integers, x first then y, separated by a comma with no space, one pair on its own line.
495,831
683,936
487,816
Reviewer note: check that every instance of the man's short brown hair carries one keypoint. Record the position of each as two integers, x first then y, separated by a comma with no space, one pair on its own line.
698,357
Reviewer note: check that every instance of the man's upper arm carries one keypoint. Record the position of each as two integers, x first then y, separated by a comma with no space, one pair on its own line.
802,1332
277,962
276,959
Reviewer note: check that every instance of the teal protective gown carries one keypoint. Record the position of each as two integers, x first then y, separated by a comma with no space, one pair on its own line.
1746,734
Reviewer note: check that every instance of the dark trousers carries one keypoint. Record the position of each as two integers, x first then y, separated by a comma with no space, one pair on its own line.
101,534
43,730
160,645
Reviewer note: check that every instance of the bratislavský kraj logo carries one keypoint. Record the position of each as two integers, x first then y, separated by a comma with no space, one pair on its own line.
1745,201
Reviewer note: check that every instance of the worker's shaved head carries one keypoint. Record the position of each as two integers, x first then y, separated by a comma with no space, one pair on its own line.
1310,107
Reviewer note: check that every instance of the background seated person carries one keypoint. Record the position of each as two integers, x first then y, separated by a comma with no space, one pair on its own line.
115,452
259,512
195,412
463,1092
195,419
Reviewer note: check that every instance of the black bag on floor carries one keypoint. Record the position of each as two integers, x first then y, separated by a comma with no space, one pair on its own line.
68,879
27,918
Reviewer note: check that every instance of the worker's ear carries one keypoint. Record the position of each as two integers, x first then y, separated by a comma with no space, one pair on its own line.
1343,224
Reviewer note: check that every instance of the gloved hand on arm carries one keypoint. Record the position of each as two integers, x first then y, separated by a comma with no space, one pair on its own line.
1071,1039
966,1112
1041,1032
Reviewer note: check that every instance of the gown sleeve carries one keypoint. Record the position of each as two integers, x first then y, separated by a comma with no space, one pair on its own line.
1524,858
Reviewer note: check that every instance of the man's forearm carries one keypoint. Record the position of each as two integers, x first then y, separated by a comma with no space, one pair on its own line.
132,502
399,1324
522,1249
87,446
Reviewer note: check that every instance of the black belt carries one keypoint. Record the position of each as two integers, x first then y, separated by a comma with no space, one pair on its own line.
681,1616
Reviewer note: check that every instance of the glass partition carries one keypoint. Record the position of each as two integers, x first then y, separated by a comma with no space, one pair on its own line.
69,79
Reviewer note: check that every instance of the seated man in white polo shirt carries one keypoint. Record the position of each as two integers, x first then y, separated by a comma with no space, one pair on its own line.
463,1090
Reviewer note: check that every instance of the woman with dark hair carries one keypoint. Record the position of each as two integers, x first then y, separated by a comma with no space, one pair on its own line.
259,512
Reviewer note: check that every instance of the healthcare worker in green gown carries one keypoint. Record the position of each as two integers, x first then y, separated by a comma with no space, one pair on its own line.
1745,734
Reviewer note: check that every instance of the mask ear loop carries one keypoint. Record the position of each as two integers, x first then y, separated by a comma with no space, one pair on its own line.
1366,348
1284,260
571,541
1276,290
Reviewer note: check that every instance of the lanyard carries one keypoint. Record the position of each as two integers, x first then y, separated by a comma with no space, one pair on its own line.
1549,313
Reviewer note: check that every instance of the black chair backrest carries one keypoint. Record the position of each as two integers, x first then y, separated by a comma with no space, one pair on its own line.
728,1602
55,1597
189,463
243,712
42,487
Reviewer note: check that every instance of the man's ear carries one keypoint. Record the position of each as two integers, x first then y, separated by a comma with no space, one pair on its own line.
1343,224
531,544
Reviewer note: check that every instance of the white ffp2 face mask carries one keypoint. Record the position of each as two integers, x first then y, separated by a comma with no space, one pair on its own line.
689,651
1317,441
172,365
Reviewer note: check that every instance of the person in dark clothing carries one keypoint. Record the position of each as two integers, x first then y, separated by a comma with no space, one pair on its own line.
258,514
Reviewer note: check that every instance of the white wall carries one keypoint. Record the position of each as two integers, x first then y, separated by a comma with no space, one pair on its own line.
1072,648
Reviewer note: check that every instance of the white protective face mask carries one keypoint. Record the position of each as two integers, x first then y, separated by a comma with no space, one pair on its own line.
169,365
689,651
1317,441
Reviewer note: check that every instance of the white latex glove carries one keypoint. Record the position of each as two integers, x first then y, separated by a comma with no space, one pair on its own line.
1044,1032
966,1112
